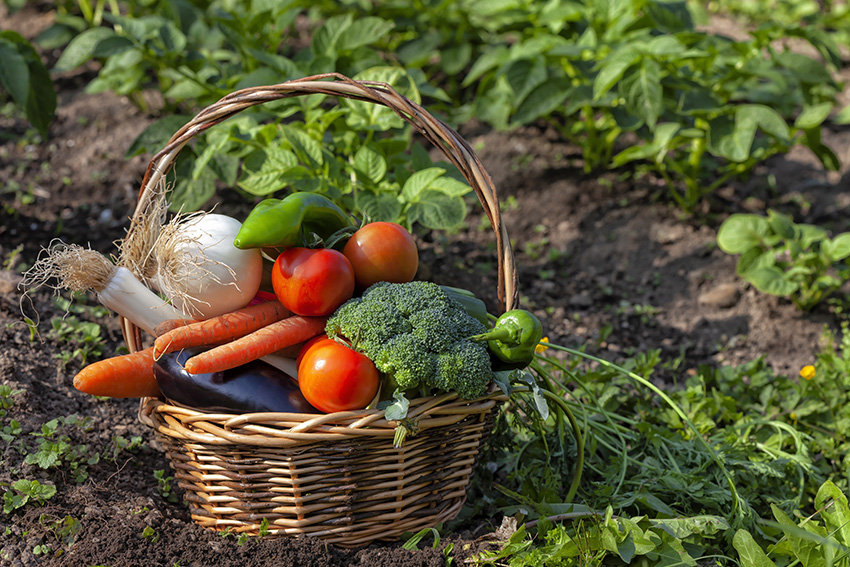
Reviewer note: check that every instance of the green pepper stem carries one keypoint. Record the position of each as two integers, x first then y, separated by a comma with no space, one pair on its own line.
498,334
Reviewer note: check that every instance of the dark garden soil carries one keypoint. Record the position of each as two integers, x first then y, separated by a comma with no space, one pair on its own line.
603,262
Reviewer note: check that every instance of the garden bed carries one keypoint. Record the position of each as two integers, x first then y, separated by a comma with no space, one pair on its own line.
603,262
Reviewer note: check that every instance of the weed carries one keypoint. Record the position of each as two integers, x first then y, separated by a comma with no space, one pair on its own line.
164,485
780,257
24,491
150,534
57,449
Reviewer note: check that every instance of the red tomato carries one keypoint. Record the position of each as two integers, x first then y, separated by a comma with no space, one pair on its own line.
307,346
312,282
334,377
382,252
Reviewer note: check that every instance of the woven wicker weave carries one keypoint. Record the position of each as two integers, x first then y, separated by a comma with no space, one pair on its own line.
334,476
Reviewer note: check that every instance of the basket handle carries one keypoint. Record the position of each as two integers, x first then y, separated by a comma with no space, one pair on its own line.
442,136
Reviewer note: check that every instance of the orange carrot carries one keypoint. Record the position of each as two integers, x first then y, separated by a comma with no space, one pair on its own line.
264,341
125,376
220,329
171,324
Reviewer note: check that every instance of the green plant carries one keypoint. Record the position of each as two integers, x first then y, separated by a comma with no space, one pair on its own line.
82,337
65,530
783,258
24,491
150,534
24,76
164,485
634,83
56,448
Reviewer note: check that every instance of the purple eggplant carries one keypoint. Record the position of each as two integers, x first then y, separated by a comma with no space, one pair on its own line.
253,387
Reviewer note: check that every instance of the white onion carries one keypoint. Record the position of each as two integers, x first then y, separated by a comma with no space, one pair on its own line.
200,270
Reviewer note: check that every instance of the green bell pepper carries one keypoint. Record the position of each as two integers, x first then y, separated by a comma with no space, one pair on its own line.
282,223
513,338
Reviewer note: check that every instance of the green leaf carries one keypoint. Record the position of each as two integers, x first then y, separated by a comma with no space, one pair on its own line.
808,552
109,46
155,136
732,139
270,177
840,247
398,408
308,150
14,72
370,116
490,60
765,118
450,186
380,206
672,554
781,224
641,88
808,234
834,510
813,116
82,48
417,183
437,211
40,103
542,101
825,154
749,552
682,528
526,74
635,153
418,51
741,232
371,163
612,69
753,259
843,117
325,38
806,69
363,31
191,194
771,280
455,58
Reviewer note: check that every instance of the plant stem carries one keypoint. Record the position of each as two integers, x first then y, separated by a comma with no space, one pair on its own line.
736,500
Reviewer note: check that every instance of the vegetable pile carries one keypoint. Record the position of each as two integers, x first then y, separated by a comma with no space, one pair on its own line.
298,309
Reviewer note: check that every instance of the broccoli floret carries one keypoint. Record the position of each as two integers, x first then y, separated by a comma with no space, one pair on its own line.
465,368
418,336
410,363
374,325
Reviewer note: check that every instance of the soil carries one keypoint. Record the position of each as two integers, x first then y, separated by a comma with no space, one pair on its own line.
603,262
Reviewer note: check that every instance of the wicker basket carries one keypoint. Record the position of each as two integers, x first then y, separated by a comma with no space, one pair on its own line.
334,476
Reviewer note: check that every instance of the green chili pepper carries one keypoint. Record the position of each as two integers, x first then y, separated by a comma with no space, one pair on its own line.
280,223
513,338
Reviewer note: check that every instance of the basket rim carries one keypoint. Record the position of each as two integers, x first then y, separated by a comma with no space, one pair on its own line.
279,429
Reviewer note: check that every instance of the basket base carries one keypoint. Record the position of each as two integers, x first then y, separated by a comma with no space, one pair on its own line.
349,493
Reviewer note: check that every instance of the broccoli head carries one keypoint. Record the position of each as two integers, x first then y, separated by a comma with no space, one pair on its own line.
418,336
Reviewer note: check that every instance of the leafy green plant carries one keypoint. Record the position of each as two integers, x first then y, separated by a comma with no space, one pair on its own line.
631,83
783,258
164,485
56,448
24,491
65,530
10,430
150,534
25,77
81,337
